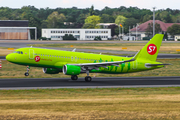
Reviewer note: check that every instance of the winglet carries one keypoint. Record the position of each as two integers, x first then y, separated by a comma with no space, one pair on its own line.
74,50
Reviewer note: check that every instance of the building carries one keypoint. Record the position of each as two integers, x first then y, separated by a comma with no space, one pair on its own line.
177,37
80,34
15,30
111,26
140,31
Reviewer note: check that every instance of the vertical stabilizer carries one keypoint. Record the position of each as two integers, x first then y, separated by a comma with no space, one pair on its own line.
151,49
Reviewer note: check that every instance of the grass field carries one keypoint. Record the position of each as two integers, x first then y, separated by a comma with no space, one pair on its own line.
135,46
110,103
10,70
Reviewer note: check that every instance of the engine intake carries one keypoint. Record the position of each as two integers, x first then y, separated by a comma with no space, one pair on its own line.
71,70
50,71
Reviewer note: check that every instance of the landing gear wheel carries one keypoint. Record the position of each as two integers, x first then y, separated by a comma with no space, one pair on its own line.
74,77
88,79
26,74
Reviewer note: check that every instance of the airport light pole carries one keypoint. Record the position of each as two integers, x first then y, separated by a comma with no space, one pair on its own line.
119,31
129,33
154,20
136,30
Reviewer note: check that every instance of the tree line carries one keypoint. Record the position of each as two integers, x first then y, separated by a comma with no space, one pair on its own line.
87,17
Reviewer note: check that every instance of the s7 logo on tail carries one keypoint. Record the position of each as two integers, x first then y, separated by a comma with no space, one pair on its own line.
151,49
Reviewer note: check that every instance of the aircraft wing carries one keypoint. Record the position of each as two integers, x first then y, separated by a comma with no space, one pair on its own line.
90,66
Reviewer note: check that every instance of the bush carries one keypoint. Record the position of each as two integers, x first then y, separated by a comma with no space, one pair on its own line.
69,37
178,39
97,38
146,38
44,38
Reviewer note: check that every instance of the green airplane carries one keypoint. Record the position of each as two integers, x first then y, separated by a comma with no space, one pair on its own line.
74,63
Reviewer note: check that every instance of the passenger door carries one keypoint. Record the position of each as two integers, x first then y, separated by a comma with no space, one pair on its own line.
31,54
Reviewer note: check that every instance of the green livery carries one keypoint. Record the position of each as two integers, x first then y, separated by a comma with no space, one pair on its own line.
74,63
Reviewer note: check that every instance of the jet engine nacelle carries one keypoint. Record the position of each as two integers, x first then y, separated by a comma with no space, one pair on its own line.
50,71
71,70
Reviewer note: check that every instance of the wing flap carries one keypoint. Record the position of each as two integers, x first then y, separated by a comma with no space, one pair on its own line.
103,63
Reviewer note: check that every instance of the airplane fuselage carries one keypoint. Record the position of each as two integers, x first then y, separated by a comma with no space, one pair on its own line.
48,58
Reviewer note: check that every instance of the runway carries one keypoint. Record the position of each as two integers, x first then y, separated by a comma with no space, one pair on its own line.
111,82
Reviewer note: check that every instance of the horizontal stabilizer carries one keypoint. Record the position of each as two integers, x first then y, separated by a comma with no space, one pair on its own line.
156,64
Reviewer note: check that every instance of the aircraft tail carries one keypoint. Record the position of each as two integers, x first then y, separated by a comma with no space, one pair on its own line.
151,49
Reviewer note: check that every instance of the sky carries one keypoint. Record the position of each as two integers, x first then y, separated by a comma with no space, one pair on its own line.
98,4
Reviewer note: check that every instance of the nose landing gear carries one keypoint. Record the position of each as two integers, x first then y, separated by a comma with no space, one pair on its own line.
27,73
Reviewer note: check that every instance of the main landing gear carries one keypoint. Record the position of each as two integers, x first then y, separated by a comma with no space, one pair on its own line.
87,78
27,73
74,77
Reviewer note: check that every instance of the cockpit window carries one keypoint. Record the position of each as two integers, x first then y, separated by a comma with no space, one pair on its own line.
19,52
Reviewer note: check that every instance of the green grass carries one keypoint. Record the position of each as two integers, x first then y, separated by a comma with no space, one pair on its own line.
99,103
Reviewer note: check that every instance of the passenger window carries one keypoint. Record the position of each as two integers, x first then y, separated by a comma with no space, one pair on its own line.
21,52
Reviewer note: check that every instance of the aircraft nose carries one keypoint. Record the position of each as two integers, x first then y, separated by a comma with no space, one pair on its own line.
8,57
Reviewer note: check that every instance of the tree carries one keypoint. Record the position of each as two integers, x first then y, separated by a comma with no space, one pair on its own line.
168,18
176,19
97,38
120,20
174,29
107,18
91,11
88,25
92,22
69,37
81,18
129,22
147,18
149,29
55,19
